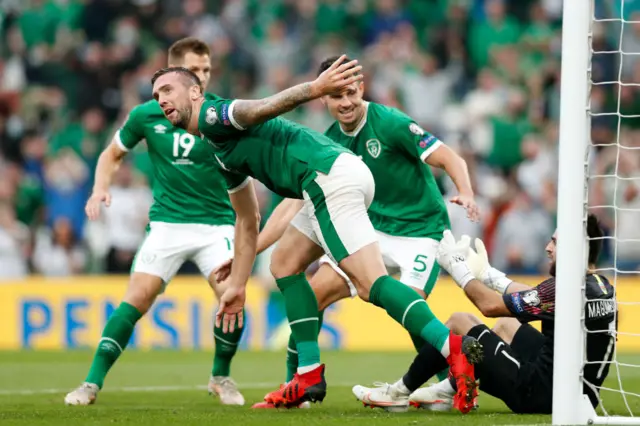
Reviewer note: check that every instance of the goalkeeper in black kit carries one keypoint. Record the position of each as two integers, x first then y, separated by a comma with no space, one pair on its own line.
518,359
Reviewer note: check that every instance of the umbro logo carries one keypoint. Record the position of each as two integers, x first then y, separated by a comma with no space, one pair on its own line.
160,129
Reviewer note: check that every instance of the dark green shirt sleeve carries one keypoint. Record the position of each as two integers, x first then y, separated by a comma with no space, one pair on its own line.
216,120
132,131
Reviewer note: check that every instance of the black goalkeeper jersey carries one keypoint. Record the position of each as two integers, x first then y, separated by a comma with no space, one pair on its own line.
538,304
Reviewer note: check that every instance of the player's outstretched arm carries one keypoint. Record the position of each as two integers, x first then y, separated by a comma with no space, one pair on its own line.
490,303
108,163
277,223
335,78
456,167
245,204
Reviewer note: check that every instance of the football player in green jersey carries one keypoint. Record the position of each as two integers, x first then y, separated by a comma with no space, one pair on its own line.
191,219
337,188
408,211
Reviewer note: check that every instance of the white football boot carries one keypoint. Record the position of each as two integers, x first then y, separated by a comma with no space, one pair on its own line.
226,389
85,394
383,395
437,397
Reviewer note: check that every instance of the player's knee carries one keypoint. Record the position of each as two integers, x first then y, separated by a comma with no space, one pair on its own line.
505,328
328,286
283,264
142,291
461,322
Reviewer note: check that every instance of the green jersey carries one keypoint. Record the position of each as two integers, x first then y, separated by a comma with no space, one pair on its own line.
407,201
284,156
187,185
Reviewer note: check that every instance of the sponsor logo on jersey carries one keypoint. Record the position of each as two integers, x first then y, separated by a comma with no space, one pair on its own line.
416,130
211,117
225,115
373,147
160,129
531,298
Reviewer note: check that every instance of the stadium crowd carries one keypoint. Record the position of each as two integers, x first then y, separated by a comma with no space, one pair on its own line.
482,75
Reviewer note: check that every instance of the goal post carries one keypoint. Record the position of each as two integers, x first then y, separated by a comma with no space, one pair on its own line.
568,402
570,406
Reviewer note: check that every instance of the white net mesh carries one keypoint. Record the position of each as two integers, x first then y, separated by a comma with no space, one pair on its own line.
614,188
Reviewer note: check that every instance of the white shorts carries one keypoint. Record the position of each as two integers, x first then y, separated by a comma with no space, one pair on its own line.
413,258
334,215
168,245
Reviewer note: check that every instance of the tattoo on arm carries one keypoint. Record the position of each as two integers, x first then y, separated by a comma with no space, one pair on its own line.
252,112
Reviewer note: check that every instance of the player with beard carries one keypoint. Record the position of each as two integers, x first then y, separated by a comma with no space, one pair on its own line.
248,139
191,219
518,359
408,211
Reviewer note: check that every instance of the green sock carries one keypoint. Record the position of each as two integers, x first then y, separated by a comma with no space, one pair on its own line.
292,358
302,312
292,352
115,336
409,309
226,347
443,374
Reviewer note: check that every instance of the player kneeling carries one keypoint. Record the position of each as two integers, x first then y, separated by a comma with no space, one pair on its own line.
517,366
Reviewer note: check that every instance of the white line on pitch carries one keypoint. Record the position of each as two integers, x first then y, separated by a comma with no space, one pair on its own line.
257,385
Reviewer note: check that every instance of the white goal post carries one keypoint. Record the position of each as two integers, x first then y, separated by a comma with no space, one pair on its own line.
570,406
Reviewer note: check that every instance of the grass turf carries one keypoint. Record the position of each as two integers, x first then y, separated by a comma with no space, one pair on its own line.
165,387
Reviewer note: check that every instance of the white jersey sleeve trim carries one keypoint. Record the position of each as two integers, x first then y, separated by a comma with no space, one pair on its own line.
232,119
430,151
118,142
240,187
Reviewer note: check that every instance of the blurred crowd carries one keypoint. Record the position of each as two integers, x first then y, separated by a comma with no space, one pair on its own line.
482,75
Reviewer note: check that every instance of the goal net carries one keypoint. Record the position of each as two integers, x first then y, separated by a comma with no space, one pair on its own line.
599,172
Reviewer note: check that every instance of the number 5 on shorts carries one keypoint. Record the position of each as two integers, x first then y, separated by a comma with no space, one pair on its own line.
419,263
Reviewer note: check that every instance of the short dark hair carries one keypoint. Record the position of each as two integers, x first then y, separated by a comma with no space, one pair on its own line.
595,234
329,61
184,72
180,48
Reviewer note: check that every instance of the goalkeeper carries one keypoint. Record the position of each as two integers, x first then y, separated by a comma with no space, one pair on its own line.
518,360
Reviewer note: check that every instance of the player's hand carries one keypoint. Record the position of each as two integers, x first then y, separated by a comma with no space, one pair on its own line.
478,259
230,309
93,204
469,204
223,271
338,76
452,257
480,267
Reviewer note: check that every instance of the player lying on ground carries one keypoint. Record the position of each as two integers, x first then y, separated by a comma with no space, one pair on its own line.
337,188
191,219
518,360
408,212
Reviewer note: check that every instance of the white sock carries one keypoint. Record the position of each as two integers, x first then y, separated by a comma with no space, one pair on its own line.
445,349
401,388
445,387
307,368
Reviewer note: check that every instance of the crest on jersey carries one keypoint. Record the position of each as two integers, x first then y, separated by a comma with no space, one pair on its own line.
211,117
531,298
373,147
416,130
160,129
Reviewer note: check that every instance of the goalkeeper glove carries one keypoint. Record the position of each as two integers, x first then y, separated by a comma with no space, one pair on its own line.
478,262
451,256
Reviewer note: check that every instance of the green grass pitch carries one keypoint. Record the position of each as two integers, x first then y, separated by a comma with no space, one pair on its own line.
165,387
